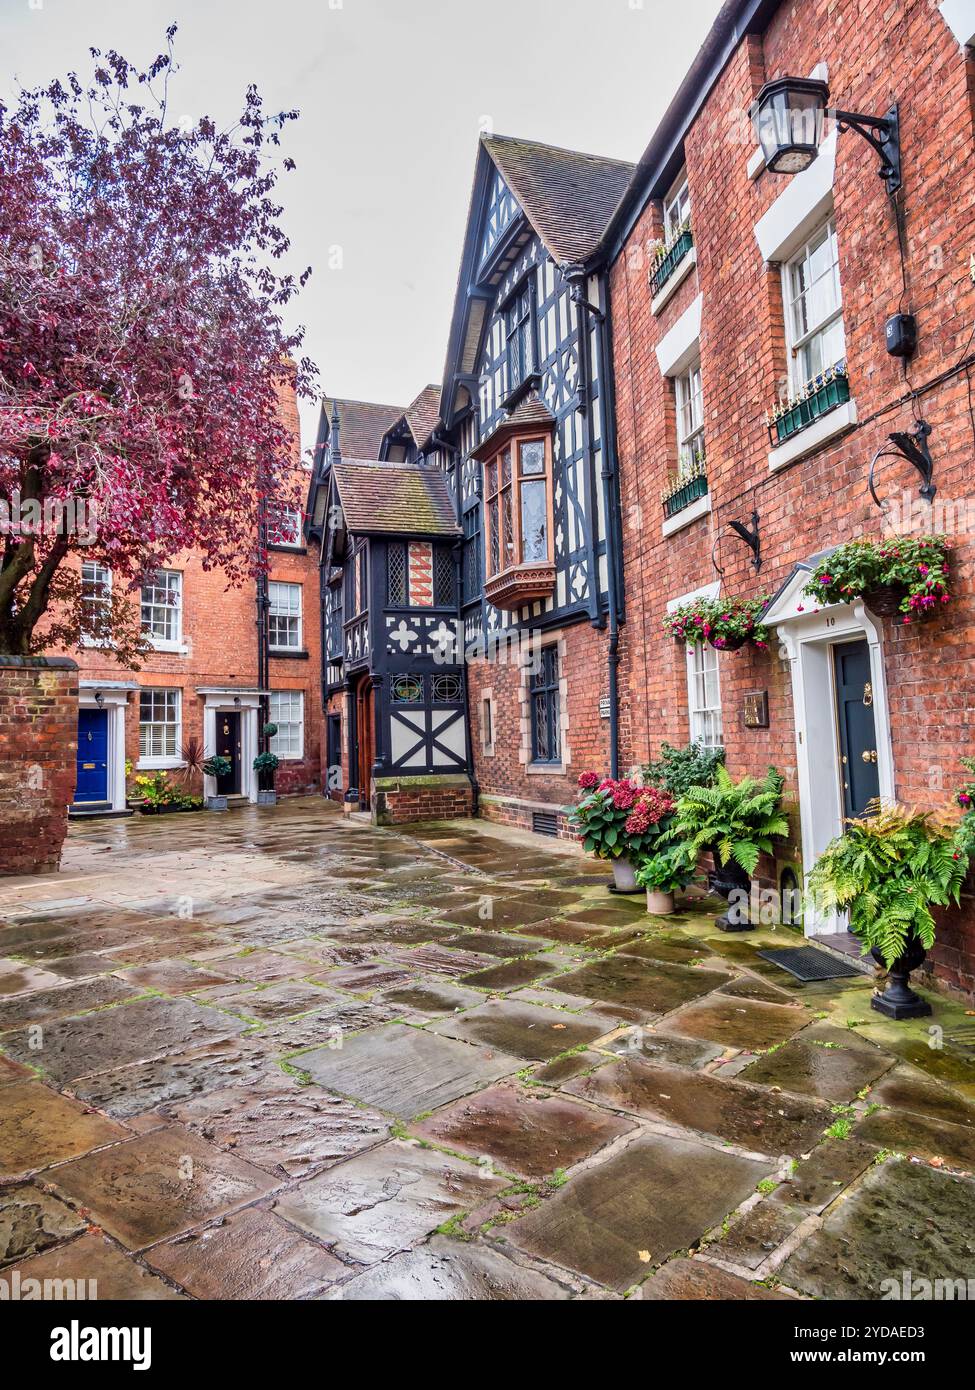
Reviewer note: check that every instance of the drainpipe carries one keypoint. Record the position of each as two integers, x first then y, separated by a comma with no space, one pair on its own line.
575,277
262,643
442,442
610,491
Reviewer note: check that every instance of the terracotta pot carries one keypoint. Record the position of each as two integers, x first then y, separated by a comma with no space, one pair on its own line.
624,875
659,904
885,600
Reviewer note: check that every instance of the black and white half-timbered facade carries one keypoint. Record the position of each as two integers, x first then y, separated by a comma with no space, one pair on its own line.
471,570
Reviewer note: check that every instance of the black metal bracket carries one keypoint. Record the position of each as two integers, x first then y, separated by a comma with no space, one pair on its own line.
749,534
883,134
912,446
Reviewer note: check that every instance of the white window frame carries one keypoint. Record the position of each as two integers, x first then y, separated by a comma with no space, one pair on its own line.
689,403
706,724
172,643
800,341
103,576
278,514
274,745
275,609
487,723
155,761
677,208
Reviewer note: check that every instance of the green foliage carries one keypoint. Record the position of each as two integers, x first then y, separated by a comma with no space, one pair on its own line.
887,870
736,820
724,622
266,762
668,871
217,766
918,566
618,818
158,794
678,769
270,730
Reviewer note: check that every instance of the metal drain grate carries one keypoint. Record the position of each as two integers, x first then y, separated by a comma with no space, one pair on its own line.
807,963
545,822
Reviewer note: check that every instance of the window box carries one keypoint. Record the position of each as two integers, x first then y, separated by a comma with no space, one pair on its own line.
669,259
823,394
685,494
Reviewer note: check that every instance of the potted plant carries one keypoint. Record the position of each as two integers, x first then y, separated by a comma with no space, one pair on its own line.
726,623
665,873
620,821
736,821
158,797
887,870
217,766
904,575
676,769
266,765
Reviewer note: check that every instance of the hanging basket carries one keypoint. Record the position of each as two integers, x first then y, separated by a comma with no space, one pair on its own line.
885,600
728,644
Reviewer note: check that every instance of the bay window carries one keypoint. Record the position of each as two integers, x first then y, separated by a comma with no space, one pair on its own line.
518,504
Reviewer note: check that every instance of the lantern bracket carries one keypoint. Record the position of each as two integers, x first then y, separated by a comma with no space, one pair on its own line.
883,134
912,446
749,534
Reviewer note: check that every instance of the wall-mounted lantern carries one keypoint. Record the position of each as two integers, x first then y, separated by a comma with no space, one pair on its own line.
789,115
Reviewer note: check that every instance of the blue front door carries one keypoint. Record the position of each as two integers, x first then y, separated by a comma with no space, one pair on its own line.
92,755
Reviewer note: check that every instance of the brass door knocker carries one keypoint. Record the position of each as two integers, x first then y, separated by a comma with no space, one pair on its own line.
868,694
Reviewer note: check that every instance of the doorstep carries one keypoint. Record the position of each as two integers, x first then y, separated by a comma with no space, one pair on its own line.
846,945
96,810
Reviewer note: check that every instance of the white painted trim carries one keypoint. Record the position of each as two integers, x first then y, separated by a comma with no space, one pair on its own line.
959,15
756,163
701,506
114,702
679,347
813,437
248,709
705,591
805,640
684,268
806,201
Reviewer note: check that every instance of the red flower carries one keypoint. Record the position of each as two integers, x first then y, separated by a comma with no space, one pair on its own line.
588,780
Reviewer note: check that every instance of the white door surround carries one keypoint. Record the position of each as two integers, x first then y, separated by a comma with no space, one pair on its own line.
806,636
112,697
247,704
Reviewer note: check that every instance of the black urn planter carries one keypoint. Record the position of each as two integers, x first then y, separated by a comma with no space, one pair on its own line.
898,999
724,880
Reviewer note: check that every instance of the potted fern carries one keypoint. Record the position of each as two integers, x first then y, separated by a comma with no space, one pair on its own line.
888,869
736,821
663,875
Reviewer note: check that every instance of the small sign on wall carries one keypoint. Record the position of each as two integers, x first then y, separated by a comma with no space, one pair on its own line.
756,709
604,707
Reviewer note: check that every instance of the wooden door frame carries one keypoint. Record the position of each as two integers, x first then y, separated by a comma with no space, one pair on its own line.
365,739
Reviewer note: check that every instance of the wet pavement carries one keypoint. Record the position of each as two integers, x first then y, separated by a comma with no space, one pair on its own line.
278,1054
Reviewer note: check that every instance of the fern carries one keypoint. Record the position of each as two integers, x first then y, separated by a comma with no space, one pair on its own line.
735,820
888,869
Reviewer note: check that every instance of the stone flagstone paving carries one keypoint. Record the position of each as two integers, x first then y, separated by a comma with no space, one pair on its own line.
279,1054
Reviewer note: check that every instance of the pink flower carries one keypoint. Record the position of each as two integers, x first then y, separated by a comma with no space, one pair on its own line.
588,780
624,797
637,822
825,579
964,799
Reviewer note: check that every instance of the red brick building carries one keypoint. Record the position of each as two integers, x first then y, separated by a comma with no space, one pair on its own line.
765,287
224,662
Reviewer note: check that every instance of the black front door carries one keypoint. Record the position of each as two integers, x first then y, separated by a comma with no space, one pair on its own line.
228,746
858,729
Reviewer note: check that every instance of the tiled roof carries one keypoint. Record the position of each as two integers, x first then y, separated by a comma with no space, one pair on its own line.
395,498
423,415
568,197
527,413
362,425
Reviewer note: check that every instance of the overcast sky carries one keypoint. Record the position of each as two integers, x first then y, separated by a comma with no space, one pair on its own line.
392,95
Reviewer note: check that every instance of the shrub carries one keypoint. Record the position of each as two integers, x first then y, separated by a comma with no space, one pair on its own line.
736,820
619,817
678,769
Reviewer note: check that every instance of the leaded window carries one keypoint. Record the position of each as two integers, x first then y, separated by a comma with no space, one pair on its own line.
472,559
443,577
396,574
447,690
407,690
546,730
520,337
518,502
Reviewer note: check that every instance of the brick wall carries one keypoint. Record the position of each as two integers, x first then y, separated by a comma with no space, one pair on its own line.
38,744
873,53
510,788
399,800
